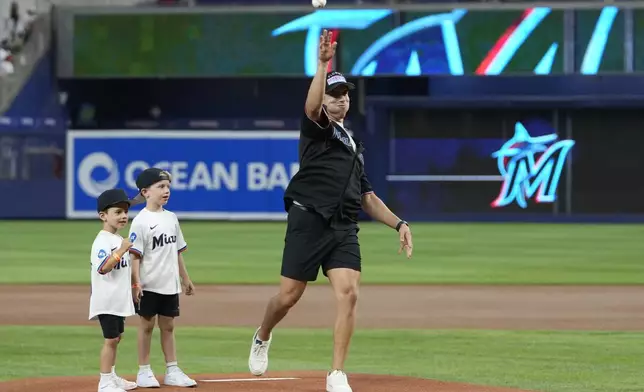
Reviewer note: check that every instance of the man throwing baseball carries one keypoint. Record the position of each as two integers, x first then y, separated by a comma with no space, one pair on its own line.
323,201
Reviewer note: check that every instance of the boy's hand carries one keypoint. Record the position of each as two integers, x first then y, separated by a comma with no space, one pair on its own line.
189,287
137,293
125,245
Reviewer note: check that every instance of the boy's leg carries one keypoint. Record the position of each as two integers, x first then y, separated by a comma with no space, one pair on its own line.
121,382
121,329
166,326
146,328
110,327
147,310
168,310
108,353
145,377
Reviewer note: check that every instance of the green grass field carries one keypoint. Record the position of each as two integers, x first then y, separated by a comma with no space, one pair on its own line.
546,361
225,253
554,361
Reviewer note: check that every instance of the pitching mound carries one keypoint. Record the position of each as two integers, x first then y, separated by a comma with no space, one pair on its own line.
274,382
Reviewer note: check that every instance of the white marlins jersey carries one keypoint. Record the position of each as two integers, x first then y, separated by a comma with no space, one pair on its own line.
157,238
111,292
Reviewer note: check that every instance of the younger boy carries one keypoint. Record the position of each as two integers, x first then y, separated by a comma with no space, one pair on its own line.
110,300
158,273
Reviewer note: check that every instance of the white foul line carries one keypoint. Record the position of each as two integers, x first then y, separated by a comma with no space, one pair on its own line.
251,379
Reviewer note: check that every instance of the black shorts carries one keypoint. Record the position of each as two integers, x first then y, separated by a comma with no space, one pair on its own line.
310,243
152,304
112,326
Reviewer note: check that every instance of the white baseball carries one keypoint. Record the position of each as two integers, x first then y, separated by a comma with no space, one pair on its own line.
318,3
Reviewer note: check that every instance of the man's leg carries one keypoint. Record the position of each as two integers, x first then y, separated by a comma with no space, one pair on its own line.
343,270
345,284
307,243
290,292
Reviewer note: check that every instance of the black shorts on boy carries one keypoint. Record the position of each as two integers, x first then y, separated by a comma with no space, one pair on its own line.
152,304
112,326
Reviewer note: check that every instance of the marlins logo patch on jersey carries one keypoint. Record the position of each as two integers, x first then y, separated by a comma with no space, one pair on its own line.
102,254
132,237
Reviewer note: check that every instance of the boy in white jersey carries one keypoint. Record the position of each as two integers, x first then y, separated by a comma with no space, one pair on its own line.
158,274
110,301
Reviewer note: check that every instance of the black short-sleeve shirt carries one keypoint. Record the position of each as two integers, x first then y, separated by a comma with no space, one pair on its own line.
331,179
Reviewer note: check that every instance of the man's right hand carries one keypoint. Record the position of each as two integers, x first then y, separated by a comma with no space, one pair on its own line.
327,49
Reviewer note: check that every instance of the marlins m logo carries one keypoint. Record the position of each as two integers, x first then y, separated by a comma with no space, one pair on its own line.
530,166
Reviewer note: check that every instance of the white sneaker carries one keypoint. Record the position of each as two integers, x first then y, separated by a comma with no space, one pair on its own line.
146,379
123,383
177,378
258,359
336,381
109,386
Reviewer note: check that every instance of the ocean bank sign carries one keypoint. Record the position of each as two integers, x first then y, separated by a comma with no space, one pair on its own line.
238,175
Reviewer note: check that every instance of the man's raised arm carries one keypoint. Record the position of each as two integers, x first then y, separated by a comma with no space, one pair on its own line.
315,96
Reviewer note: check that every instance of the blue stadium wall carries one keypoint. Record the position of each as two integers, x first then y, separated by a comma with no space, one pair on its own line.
415,128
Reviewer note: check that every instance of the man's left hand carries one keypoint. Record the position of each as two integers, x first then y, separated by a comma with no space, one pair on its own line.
405,240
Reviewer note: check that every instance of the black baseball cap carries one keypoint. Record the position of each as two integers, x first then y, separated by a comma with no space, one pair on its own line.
151,176
336,79
111,197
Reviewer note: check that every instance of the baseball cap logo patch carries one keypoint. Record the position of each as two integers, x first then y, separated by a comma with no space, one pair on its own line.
336,79
151,176
165,175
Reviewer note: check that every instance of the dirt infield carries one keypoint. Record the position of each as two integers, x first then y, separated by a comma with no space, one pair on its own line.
485,307
292,381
